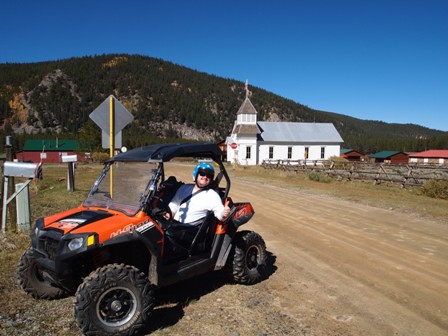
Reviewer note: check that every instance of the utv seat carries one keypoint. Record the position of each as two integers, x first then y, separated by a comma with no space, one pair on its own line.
185,240
166,192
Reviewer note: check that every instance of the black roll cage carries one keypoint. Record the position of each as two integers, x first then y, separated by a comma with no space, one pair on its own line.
161,153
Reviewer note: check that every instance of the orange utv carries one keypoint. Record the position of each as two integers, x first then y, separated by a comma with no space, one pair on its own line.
117,248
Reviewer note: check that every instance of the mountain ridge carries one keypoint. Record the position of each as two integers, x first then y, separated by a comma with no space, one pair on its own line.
168,101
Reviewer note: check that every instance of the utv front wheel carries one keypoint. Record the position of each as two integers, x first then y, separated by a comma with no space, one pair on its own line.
115,299
249,259
32,280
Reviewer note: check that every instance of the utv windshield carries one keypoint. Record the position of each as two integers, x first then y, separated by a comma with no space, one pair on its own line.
122,186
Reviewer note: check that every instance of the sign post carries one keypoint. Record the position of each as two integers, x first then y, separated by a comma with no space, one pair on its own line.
111,125
111,116
111,141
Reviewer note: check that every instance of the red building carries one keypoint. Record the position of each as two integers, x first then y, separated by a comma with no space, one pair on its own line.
48,151
389,157
430,157
351,155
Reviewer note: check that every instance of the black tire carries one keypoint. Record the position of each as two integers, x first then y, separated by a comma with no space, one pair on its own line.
32,281
115,299
249,258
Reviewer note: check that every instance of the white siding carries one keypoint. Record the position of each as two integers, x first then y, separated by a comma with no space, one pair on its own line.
239,154
280,151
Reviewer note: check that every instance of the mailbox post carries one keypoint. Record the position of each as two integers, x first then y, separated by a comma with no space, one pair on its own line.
10,156
17,169
70,159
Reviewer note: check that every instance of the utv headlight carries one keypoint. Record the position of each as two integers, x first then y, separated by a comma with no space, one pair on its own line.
81,241
75,243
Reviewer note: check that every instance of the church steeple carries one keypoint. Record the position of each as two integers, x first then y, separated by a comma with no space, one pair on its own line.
247,114
246,117
242,143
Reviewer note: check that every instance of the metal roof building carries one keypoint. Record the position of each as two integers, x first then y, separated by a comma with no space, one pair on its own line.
352,155
48,150
389,157
432,156
298,132
251,142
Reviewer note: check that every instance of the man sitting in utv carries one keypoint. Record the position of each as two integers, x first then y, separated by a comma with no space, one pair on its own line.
191,204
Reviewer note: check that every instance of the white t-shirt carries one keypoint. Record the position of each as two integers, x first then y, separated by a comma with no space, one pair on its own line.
197,206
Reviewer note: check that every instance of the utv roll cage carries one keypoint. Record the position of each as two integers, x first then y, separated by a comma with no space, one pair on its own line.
161,153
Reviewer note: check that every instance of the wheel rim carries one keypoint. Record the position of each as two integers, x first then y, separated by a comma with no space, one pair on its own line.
252,257
39,276
116,306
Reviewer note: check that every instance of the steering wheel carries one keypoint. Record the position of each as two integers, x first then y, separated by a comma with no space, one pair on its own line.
161,212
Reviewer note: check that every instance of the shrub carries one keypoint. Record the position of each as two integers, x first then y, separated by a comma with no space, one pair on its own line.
100,157
319,177
435,189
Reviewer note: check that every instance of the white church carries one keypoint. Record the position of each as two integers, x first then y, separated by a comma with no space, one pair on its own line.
251,141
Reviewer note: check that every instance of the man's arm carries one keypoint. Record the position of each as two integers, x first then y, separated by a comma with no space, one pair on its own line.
221,211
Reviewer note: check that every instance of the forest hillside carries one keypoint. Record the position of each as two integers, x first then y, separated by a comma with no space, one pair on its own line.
168,102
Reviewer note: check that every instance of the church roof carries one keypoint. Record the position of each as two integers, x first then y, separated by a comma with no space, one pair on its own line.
247,129
247,107
298,132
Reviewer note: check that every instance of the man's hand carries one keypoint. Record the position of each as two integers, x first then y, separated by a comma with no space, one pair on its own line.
225,212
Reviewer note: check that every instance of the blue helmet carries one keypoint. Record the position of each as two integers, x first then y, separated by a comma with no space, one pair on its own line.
204,167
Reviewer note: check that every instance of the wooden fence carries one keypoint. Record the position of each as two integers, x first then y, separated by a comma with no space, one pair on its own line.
403,174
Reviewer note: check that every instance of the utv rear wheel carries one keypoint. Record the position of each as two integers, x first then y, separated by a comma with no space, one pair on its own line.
115,299
32,279
249,259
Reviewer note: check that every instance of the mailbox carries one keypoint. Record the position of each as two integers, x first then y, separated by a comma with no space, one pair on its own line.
20,169
69,158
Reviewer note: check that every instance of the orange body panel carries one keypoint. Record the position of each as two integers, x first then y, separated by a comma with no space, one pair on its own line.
106,228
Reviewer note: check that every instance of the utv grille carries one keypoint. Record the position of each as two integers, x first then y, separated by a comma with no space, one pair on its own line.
50,247
48,244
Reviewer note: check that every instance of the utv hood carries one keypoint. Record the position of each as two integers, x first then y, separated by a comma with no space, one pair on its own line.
76,218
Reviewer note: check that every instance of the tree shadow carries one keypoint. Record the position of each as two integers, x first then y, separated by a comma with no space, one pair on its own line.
171,300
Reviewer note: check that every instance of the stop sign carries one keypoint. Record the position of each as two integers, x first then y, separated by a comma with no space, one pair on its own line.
233,145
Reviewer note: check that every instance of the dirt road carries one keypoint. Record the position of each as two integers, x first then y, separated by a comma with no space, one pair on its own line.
348,269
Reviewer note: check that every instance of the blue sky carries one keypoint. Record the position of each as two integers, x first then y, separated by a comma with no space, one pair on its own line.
377,60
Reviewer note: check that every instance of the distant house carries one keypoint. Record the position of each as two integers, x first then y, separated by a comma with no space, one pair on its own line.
251,141
47,151
351,155
389,157
430,157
